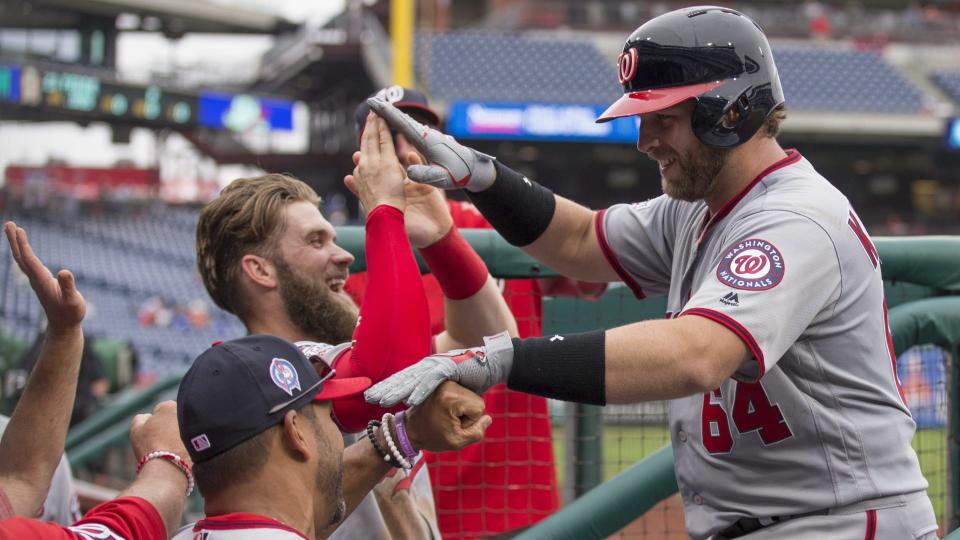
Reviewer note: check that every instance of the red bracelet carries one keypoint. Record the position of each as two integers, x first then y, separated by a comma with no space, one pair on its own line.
460,272
178,461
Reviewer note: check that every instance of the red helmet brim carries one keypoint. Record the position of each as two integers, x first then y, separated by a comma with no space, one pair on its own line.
645,101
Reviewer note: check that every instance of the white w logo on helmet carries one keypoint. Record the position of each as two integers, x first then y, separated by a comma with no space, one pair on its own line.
391,94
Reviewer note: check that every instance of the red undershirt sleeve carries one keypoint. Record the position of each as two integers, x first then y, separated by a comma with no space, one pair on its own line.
393,331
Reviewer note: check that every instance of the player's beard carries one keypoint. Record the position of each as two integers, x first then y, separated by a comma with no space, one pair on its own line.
325,316
698,173
330,481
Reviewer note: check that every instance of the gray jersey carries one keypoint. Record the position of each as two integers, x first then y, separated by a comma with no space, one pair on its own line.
400,506
817,419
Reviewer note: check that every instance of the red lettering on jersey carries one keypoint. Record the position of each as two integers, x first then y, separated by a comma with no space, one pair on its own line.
714,427
893,355
868,246
752,411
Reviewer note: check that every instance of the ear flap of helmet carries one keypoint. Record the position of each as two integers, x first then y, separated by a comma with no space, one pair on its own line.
727,122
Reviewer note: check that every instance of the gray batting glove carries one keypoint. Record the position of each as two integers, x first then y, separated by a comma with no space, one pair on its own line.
477,369
452,165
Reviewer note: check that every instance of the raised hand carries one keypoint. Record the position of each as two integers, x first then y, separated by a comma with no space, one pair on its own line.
378,176
427,216
157,431
476,369
61,301
453,166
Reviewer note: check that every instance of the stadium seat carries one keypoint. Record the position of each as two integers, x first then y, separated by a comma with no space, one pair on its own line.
120,261
949,82
507,67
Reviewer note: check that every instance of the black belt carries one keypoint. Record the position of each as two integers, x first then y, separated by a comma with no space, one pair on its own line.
747,525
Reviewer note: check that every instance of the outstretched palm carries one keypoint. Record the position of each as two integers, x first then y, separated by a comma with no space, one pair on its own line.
427,217
61,301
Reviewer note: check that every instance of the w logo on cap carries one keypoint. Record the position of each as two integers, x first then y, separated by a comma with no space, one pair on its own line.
284,375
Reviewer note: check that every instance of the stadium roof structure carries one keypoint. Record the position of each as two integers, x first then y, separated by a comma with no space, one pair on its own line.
176,16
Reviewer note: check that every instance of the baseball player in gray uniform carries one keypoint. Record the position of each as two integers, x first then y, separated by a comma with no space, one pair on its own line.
786,415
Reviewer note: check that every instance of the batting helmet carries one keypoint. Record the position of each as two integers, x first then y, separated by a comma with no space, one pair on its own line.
715,55
407,100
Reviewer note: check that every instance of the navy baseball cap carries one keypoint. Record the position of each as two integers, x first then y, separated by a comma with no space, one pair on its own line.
238,389
407,100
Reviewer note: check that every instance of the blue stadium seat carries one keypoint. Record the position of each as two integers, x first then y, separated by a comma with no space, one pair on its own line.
831,80
490,66
505,67
120,261
949,82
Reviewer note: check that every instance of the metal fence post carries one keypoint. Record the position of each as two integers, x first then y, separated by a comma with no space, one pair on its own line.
587,448
953,442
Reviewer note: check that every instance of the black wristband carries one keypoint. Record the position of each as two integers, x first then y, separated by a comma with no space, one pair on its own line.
569,367
518,208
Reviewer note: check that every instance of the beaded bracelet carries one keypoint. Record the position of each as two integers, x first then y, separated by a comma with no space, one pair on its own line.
376,445
400,423
387,417
174,459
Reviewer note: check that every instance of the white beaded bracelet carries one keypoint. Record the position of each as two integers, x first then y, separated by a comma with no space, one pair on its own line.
385,421
175,459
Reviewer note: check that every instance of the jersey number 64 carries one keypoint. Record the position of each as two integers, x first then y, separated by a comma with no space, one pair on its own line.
751,411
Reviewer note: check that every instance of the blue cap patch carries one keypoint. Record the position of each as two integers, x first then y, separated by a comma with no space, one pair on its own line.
284,375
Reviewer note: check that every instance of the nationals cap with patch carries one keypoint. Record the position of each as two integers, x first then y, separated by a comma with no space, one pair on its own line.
237,389
407,100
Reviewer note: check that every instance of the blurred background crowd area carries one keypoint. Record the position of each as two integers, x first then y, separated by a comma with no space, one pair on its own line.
930,21
119,119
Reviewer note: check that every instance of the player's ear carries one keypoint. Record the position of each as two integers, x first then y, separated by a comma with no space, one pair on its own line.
295,435
259,270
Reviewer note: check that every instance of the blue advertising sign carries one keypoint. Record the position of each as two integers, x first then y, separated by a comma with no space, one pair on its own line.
242,112
953,133
537,122
923,379
10,83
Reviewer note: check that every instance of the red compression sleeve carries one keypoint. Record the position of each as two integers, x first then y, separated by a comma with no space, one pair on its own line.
394,327
126,517
460,272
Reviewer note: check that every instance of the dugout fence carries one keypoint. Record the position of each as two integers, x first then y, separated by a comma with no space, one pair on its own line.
614,464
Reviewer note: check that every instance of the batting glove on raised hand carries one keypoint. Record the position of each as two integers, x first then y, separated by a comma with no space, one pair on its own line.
452,165
477,369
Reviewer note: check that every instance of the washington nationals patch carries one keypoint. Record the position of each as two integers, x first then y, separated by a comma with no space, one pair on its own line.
754,264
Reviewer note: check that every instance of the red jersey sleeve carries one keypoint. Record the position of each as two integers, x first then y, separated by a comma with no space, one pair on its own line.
126,518
393,331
